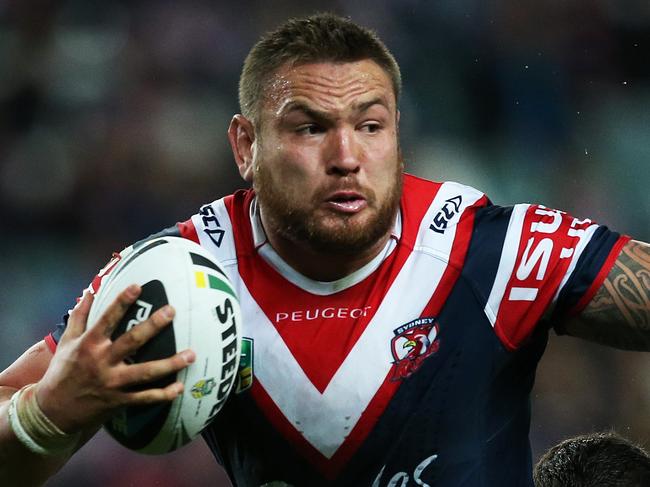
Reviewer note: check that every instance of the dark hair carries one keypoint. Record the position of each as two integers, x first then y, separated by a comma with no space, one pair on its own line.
317,38
598,459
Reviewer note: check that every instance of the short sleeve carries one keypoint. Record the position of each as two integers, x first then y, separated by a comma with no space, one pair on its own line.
531,260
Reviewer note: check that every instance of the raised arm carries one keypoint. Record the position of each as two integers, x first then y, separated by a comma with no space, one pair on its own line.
619,313
76,389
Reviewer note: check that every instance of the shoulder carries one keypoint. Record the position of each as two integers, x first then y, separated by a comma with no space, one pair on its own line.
440,202
415,186
219,225
216,226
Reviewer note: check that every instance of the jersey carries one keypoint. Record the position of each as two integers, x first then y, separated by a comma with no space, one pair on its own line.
415,370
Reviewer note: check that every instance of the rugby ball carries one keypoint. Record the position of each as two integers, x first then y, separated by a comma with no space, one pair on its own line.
180,272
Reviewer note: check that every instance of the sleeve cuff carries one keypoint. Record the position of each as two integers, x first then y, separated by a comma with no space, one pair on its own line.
600,277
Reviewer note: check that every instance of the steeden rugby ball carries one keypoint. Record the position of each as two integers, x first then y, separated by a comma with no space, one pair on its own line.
179,272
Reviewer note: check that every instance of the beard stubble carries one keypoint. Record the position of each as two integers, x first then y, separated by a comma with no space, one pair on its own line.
334,233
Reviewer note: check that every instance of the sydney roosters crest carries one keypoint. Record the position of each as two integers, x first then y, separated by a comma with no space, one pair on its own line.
412,344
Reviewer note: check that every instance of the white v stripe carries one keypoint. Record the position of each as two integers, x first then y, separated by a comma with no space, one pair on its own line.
506,261
363,371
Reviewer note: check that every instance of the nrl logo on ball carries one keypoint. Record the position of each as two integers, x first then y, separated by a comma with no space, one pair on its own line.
202,388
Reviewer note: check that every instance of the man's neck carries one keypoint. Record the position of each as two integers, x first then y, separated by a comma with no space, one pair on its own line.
323,266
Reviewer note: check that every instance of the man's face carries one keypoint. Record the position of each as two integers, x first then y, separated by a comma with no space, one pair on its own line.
326,163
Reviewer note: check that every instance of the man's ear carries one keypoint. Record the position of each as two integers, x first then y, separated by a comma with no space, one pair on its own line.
241,135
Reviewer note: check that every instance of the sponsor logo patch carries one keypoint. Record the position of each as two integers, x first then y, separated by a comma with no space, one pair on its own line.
245,377
321,313
412,344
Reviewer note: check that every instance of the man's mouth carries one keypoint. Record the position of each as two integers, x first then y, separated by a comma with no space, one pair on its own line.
346,201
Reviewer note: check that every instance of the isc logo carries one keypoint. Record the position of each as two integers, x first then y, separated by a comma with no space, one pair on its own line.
445,214
212,226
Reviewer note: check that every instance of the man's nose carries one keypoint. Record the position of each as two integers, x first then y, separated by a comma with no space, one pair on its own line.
343,152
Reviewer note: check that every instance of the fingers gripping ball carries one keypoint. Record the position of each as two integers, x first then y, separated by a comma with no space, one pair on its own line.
207,320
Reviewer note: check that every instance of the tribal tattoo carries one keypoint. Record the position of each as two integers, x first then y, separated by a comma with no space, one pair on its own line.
619,313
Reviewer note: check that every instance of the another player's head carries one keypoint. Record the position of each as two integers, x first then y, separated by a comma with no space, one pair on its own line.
599,459
318,134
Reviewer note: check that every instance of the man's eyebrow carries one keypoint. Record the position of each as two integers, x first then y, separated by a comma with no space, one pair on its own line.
362,107
299,106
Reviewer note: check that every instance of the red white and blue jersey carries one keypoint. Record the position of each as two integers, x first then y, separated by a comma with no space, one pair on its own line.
417,368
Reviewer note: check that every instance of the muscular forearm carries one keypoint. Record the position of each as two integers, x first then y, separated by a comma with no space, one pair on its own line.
65,397
619,313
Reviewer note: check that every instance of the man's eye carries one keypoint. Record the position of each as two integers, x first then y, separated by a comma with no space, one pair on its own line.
371,128
309,129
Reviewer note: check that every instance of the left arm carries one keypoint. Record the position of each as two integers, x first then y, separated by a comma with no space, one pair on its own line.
619,313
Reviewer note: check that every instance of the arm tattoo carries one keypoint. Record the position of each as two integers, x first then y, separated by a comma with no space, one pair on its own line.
626,291
619,313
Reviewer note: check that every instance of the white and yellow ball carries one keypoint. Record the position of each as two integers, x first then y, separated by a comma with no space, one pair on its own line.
179,272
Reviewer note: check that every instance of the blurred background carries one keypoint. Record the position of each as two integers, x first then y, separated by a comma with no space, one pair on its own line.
112,126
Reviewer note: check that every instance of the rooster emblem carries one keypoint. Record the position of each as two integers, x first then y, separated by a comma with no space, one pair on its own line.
412,344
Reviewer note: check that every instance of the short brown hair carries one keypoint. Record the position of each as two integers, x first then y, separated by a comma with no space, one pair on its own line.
317,38
597,459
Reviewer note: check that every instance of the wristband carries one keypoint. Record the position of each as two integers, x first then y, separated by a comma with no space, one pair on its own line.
34,429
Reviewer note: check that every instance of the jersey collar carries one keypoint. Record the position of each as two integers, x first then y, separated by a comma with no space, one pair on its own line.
268,253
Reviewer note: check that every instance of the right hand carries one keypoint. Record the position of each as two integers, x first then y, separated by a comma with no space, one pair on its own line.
88,379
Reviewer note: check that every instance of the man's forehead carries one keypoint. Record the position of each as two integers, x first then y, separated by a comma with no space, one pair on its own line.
329,85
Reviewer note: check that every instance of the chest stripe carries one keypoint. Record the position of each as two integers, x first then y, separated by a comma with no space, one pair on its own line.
298,404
